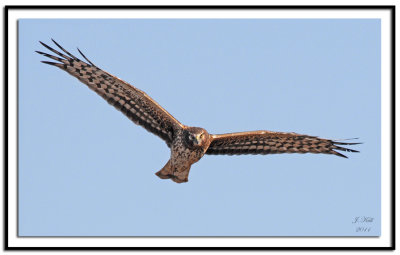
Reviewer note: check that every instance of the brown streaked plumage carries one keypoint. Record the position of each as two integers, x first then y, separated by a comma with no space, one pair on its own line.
188,144
267,142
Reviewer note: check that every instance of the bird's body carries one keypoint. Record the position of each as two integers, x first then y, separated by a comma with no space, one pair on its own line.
188,144
186,149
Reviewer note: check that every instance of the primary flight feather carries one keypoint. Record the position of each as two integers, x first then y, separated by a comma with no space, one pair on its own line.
188,144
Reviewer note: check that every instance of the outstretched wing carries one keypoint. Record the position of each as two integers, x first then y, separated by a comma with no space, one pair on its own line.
267,142
134,103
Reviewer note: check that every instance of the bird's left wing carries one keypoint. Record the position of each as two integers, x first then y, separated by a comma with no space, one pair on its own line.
134,103
267,142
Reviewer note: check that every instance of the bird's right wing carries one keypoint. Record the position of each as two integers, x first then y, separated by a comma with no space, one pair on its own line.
134,103
267,142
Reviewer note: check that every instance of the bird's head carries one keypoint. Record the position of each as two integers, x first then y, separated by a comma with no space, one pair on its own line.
197,136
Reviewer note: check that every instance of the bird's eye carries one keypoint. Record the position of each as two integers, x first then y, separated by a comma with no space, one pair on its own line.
201,136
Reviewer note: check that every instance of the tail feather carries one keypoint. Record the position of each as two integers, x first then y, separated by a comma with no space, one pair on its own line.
169,172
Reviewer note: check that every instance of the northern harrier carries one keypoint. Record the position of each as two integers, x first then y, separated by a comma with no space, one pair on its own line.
187,144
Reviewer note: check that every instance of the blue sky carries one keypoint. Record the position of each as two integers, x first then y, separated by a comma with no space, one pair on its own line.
87,170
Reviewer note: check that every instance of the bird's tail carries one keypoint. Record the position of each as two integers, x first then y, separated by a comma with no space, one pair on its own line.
169,172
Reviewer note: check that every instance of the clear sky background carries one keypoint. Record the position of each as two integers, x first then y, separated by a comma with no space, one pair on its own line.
87,170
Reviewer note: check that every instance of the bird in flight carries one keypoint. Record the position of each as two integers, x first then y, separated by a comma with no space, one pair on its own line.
188,144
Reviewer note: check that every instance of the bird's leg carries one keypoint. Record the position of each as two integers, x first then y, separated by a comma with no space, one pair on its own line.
166,172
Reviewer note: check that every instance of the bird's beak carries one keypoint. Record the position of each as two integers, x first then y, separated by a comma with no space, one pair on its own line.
197,140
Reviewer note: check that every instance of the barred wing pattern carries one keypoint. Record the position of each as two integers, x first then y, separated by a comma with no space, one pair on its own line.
267,142
134,103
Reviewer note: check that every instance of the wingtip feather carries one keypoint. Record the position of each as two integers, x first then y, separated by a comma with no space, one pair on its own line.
45,45
339,154
83,55
58,45
346,143
50,63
